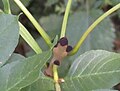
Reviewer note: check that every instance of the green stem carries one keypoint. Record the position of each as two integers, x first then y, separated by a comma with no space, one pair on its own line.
34,22
57,86
6,6
29,39
65,20
90,29
56,78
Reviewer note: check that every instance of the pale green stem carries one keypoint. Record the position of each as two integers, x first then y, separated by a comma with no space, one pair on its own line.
6,6
65,20
34,22
90,29
56,78
29,39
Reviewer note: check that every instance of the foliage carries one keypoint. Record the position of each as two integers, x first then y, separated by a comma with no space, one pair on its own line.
93,68
21,73
90,70
9,25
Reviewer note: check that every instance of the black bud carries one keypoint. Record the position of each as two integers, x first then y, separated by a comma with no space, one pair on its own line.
56,62
69,48
63,41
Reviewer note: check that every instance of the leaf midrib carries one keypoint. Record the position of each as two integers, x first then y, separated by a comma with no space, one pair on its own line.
93,74
26,75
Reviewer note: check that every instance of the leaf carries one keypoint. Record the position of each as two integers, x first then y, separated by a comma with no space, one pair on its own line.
101,38
1,5
93,70
50,2
114,2
104,90
15,57
19,74
52,24
9,35
43,84
64,67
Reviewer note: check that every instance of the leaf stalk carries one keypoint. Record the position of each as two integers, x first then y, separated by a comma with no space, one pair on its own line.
65,20
90,29
29,39
6,6
34,22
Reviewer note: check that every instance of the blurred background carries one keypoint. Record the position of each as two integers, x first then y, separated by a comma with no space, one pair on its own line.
49,13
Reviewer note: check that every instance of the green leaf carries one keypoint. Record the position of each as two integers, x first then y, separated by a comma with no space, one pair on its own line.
114,2
43,84
93,70
1,5
15,57
51,2
51,24
101,38
104,90
9,35
19,74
